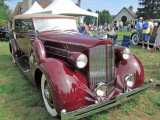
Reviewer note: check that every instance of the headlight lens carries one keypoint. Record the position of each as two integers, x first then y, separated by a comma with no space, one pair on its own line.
129,80
81,61
126,53
101,90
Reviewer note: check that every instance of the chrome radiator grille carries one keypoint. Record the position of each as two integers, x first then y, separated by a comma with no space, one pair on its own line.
97,64
110,63
100,64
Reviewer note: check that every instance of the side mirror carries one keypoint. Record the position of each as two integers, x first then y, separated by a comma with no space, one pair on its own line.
36,33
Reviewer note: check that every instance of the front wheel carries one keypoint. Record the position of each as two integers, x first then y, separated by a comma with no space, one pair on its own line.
135,39
47,97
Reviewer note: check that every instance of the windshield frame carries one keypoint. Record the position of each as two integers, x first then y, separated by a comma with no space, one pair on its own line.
55,18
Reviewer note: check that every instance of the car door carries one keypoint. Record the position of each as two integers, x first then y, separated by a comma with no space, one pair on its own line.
24,36
154,33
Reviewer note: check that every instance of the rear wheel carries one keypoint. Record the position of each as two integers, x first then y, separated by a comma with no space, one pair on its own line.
47,97
12,53
135,39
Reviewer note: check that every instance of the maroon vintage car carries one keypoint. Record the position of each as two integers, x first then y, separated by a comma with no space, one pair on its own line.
78,75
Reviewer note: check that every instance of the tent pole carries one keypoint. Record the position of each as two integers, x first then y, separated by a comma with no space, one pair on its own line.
97,27
97,21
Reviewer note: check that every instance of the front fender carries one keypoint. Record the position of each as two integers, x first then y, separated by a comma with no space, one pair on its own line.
130,66
69,87
39,50
16,49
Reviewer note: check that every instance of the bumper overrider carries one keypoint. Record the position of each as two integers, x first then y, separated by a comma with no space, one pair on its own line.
95,108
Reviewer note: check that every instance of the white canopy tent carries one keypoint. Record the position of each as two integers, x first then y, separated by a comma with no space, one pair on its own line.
67,7
35,8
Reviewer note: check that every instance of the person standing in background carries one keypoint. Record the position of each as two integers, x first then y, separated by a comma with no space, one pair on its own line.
132,25
120,26
157,41
139,23
117,26
135,27
113,26
157,44
146,33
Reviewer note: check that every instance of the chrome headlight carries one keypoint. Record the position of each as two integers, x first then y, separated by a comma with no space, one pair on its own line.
101,89
129,80
81,61
126,53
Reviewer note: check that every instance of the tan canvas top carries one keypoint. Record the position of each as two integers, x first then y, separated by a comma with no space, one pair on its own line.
29,16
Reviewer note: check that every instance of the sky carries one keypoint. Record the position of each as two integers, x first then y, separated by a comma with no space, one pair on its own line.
113,6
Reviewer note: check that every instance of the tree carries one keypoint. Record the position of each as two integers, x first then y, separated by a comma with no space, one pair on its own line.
105,17
88,19
4,12
149,9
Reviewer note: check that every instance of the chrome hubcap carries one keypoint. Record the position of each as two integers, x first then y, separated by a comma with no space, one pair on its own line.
47,95
135,39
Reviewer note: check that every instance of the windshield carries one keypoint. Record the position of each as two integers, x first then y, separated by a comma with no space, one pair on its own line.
55,24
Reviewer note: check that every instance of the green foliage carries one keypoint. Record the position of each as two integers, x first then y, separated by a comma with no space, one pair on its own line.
4,13
149,9
88,19
128,22
105,17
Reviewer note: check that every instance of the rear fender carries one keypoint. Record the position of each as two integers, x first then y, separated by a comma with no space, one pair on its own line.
69,87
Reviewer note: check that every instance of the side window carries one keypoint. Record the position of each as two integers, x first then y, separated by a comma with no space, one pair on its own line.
27,26
18,25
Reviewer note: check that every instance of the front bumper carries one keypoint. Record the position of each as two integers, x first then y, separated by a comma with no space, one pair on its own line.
95,108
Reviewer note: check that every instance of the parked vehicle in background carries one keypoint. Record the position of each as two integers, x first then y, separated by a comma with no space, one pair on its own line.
137,35
4,34
78,75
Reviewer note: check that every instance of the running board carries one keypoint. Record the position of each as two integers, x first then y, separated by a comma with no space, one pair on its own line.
146,43
23,64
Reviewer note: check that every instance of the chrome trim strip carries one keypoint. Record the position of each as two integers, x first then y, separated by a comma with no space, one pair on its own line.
95,108
110,63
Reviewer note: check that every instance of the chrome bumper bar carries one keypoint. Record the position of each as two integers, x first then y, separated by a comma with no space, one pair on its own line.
95,108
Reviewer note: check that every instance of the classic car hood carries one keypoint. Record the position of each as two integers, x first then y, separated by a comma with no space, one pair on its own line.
70,38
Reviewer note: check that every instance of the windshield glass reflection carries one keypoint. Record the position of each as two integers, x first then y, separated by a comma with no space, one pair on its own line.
55,24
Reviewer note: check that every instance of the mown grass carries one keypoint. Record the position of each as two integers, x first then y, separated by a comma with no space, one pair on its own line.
20,100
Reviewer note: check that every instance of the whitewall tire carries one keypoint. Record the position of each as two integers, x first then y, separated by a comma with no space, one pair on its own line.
12,53
135,39
46,94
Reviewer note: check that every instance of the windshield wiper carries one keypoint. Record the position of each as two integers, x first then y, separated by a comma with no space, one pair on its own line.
54,27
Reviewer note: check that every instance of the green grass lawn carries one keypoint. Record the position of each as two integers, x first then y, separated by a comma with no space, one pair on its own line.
20,100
